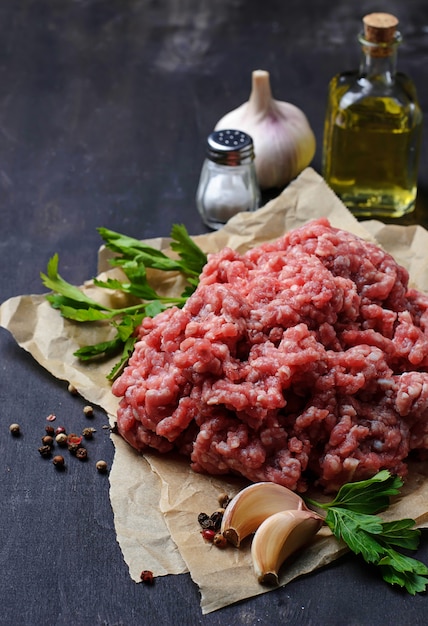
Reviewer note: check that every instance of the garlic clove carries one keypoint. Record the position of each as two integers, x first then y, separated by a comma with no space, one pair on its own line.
252,505
284,143
279,536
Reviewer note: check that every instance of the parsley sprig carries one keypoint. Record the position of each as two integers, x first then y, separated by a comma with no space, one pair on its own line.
351,517
133,257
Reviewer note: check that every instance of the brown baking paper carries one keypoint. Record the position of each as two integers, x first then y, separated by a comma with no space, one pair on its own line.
156,499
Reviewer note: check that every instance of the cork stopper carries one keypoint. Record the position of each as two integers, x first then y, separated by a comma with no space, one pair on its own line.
380,27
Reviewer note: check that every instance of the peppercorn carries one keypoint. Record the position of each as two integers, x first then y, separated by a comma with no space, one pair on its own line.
223,500
88,411
208,534
59,430
45,451
101,466
15,430
72,389
58,461
220,540
204,520
81,453
47,440
88,432
74,439
61,439
216,519
72,447
147,577
50,430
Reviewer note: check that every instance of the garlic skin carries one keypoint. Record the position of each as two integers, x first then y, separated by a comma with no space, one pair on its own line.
277,538
252,505
284,143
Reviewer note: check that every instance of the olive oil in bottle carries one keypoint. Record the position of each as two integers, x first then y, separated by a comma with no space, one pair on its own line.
373,128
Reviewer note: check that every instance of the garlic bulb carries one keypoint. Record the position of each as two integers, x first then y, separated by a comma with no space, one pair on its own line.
284,143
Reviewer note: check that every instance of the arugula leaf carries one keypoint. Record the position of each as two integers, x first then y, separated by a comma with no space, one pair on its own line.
350,518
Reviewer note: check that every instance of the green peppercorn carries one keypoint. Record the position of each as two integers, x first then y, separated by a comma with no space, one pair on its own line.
88,411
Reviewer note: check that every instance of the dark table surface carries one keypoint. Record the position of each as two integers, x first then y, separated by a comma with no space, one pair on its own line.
104,110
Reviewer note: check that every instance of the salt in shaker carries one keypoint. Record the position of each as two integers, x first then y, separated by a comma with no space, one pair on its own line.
228,183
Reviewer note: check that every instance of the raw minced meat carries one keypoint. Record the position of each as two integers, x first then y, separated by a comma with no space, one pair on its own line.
303,360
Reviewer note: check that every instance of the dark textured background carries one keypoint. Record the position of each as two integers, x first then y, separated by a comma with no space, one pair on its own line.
104,110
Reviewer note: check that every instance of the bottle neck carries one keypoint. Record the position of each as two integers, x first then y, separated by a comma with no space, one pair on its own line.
379,61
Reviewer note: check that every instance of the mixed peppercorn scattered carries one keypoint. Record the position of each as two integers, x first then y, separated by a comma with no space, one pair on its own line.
211,524
59,437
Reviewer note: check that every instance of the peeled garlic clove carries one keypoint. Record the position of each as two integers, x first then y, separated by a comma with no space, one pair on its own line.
284,143
251,506
279,536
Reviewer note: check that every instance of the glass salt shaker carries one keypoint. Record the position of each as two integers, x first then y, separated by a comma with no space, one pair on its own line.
228,183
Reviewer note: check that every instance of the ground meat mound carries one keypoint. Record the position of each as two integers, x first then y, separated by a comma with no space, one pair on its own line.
302,360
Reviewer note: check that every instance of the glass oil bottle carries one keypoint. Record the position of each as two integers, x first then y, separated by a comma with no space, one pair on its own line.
373,128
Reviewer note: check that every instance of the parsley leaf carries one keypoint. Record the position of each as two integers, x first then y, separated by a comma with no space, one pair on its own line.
133,257
350,517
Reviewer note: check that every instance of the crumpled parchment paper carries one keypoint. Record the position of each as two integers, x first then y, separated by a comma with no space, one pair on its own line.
156,499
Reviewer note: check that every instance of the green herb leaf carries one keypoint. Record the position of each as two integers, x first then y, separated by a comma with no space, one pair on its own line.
192,256
133,257
52,280
350,518
117,369
367,496
401,533
102,349
131,248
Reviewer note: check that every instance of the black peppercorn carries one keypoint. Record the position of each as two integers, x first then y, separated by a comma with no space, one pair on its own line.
216,519
204,520
45,451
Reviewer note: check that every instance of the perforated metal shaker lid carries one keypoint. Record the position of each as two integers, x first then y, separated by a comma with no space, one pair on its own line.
230,147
